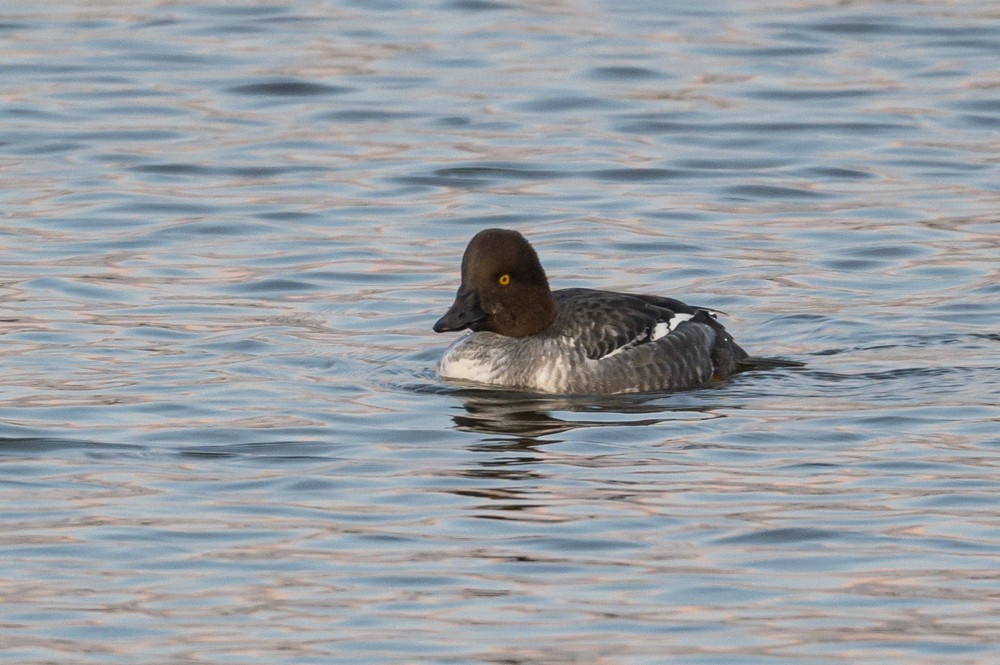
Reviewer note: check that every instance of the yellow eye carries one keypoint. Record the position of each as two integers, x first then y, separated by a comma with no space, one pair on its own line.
504,279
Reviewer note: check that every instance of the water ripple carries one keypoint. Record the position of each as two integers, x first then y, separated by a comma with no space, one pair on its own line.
228,229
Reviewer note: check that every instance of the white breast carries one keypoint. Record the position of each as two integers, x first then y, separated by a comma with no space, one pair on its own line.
457,363
551,377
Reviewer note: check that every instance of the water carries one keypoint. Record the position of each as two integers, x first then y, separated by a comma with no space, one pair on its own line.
227,229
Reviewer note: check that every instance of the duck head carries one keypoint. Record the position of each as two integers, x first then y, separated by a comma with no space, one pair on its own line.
504,288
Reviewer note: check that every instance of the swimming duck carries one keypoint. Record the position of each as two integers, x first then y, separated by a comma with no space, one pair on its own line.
573,341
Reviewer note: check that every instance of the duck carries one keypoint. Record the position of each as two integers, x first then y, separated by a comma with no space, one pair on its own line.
525,336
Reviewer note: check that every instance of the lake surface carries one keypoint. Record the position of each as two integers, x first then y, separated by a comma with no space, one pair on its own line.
228,228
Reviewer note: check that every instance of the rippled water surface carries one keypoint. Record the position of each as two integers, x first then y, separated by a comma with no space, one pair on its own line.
227,229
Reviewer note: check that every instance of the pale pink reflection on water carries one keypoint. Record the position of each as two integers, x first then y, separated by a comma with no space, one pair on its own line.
228,230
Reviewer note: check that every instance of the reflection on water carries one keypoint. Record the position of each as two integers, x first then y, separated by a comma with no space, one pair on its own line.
227,230
530,416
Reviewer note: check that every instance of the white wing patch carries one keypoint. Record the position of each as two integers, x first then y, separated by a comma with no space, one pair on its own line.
664,328
660,330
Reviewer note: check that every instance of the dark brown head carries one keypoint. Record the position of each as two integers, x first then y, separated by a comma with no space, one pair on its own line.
504,289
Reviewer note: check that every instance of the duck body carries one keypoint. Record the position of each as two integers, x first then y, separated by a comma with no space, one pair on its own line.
573,341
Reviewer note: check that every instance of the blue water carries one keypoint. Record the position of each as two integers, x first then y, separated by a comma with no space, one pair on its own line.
227,229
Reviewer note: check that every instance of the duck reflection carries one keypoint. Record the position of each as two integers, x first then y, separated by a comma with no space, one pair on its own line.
531,416
523,473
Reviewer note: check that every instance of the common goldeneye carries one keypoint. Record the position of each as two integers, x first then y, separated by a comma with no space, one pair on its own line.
573,341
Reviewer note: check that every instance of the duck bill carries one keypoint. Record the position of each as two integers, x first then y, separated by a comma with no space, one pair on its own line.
464,313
